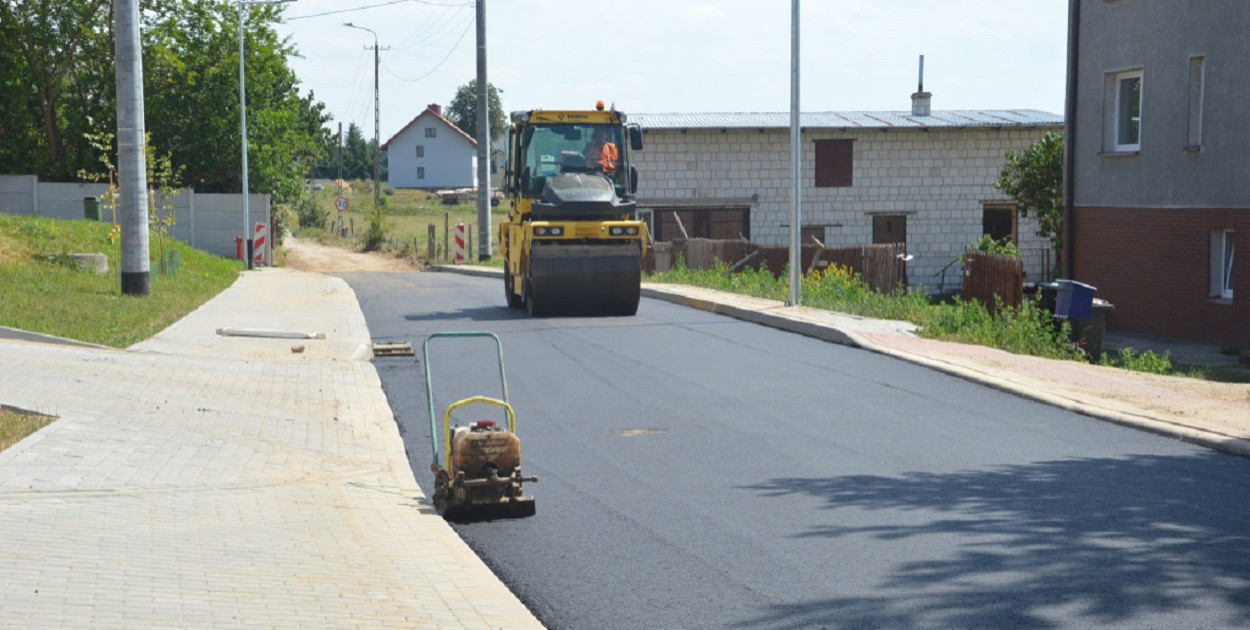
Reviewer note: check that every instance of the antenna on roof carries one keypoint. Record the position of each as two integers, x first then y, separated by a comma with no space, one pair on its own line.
921,99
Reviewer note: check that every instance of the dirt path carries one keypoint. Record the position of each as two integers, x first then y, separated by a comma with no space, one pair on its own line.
312,256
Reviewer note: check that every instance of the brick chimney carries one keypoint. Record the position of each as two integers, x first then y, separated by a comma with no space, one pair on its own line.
920,99
436,108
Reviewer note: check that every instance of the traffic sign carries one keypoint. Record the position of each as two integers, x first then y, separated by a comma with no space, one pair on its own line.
341,204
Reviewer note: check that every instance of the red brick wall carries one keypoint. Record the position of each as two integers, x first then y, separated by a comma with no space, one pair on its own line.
1154,266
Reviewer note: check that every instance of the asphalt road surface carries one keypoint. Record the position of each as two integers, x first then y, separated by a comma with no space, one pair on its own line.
701,472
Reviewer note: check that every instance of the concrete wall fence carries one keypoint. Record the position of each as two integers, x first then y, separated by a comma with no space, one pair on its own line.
207,221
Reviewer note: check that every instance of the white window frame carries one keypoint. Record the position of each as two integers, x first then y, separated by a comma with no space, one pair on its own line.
1120,106
1223,250
420,150
431,132
1197,89
420,172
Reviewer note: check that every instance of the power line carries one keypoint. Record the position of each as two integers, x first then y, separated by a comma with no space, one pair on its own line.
375,6
431,30
440,63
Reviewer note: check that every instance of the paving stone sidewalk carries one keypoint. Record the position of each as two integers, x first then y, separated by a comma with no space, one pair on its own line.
201,480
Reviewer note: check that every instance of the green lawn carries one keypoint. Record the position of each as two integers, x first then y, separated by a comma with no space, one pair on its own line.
16,425
43,290
409,213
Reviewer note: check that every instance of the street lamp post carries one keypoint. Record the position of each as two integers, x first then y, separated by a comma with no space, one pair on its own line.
247,228
377,149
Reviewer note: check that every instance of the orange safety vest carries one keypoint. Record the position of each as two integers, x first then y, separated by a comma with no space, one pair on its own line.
607,156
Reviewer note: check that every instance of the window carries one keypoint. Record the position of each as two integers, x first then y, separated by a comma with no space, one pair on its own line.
420,150
420,172
1196,72
890,228
1222,264
1128,111
834,163
999,222
806,234
431,132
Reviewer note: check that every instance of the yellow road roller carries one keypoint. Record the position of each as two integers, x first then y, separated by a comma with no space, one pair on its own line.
572,244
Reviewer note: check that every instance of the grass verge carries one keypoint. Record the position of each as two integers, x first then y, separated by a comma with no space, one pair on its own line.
407,217
42,288
1027,329
16,424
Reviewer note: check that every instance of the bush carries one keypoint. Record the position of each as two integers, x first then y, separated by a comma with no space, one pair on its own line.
1147,361
309,212
988,245
375,231
1026,329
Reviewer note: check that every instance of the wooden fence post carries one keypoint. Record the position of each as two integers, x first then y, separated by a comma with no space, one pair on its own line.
432,254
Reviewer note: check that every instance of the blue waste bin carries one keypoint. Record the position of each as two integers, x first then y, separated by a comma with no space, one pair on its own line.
1075,300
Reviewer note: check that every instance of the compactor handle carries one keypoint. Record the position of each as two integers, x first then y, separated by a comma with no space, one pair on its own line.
429,386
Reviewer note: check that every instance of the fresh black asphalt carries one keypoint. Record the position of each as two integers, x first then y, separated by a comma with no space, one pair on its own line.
701,472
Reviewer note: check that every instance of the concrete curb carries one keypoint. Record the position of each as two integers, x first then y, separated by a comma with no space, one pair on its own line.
1200,437
34,337
769,315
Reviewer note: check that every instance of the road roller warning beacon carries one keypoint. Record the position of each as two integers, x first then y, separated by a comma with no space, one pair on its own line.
479,475
572,244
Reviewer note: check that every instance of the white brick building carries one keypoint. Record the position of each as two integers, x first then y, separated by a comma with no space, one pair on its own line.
867,177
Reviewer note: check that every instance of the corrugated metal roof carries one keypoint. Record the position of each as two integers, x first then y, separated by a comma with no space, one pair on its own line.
955,118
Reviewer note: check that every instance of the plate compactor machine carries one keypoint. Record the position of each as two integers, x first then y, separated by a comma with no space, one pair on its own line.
480,475
572,244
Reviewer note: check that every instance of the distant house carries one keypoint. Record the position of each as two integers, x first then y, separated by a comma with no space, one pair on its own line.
1157,144
918,177
431,152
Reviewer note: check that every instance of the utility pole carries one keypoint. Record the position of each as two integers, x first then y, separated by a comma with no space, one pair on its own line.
340,151
131,162
377,147
483,140
796,151
249,233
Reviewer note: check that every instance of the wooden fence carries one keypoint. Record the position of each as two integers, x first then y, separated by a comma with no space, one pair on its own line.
989,275
880,266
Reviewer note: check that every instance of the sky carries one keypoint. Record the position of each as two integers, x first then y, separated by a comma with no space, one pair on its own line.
678,56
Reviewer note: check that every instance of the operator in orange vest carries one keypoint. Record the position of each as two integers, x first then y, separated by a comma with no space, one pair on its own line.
602,151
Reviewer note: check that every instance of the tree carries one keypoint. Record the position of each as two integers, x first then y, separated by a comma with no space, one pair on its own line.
463,110
191,84
57,89
1034,179
53,51
357,154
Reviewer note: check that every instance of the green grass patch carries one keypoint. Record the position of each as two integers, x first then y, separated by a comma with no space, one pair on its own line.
15,425
1024,330
407,215
43,290
1028,329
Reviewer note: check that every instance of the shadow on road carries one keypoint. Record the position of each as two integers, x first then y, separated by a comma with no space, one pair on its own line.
1098,541
476,314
